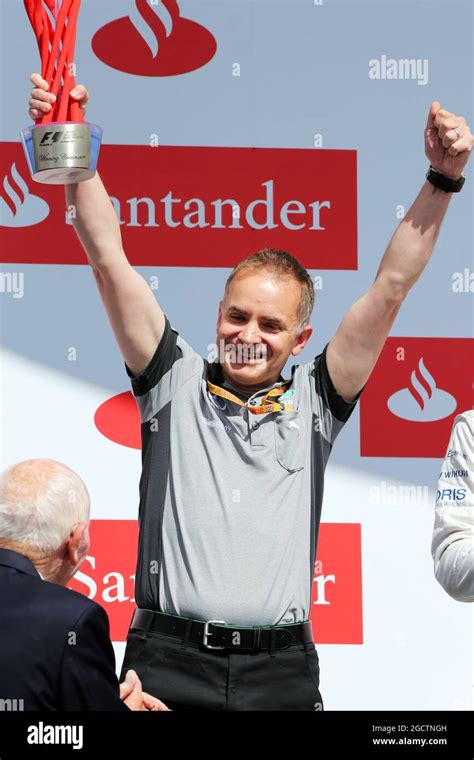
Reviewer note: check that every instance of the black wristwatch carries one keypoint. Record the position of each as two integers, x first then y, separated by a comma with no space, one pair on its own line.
445,183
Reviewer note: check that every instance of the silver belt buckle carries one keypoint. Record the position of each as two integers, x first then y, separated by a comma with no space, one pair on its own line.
207,633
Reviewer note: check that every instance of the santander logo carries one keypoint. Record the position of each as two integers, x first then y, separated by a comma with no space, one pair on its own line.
207,206
18,207
422,401
407,408
154,40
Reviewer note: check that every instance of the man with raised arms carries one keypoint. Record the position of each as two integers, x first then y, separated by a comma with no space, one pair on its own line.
234,454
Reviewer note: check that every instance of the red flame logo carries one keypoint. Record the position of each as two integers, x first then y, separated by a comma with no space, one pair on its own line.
422,385
154,40
19,207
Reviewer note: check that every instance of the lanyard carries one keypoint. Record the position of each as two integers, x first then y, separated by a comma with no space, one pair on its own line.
266,405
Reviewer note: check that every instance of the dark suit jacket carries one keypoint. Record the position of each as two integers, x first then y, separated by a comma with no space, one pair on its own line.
55,650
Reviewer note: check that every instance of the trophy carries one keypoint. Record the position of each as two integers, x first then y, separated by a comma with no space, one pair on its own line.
60,148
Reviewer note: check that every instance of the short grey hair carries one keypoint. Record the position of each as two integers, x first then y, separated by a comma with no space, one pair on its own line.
41,501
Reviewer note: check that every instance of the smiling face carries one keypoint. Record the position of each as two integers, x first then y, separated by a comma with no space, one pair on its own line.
257,323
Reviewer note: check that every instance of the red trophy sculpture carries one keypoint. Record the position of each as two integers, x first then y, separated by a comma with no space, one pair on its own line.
60,147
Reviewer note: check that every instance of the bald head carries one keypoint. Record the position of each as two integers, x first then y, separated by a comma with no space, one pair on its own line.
41,501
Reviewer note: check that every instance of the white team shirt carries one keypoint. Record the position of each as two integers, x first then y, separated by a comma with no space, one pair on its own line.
452,547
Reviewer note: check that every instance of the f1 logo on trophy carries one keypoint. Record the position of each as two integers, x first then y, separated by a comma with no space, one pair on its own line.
61,148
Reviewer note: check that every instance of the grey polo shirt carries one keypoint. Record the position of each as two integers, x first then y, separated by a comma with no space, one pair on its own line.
230,501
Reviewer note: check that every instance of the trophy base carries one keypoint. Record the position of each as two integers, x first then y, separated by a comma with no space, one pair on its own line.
62,152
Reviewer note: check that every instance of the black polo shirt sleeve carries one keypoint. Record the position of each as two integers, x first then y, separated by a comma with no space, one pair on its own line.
324,387
166,354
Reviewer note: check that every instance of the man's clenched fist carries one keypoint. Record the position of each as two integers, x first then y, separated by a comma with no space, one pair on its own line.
448,141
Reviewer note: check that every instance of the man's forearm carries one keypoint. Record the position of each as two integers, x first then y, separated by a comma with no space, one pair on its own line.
412,244
94,220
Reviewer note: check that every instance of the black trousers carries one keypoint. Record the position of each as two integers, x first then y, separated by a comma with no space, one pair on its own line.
194,678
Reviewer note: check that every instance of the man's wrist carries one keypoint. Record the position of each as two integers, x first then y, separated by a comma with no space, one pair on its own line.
442,181
453,177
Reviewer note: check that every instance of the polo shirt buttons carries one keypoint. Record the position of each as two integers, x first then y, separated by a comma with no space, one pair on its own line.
253,402
256,425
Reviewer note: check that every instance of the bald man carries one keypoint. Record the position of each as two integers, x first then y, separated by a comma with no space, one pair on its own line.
55,650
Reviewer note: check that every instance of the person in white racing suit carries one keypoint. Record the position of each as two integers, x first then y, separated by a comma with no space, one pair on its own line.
452,546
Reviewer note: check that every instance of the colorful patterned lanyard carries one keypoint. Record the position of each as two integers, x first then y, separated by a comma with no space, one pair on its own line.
266,406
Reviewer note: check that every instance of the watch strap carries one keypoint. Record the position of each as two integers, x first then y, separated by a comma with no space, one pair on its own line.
444,183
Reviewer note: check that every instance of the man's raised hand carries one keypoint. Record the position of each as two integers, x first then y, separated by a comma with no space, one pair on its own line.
448,141
41,100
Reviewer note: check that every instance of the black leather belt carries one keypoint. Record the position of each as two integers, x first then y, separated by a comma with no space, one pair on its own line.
217,635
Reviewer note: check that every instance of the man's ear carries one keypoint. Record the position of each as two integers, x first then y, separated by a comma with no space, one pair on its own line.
79,543
301,340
